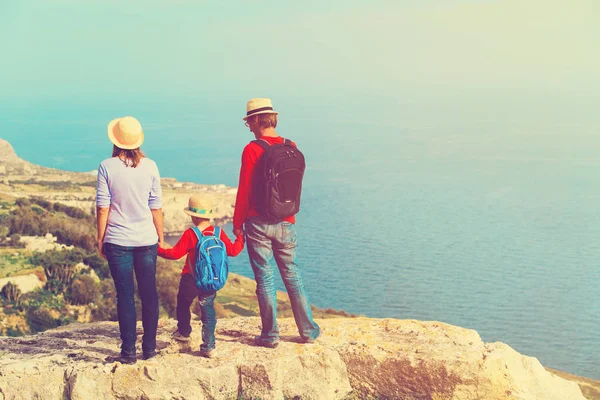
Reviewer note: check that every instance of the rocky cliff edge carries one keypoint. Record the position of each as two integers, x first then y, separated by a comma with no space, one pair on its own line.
355,358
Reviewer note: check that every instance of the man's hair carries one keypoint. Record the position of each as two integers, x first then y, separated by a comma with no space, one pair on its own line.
266,120
130,157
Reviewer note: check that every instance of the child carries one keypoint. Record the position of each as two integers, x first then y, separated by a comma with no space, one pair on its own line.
187,287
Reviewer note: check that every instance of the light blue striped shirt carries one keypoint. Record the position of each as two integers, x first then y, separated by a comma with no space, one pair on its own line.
130,193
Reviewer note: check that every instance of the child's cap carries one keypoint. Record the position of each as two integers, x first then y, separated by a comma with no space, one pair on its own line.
197,208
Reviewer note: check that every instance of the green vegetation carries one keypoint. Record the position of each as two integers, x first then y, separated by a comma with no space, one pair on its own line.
77,285
15,262
36,217
55,185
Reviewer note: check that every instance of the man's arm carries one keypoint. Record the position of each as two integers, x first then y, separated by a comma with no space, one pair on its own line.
242,200
101,221
157,218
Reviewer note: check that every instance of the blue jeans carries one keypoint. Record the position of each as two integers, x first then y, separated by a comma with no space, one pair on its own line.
188,291
266,241
123,261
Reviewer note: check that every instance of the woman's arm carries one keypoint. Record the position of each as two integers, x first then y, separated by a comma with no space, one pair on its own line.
157,218
155,204
103,199
101,220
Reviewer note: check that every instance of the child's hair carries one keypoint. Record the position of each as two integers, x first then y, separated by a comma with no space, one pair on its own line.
197,220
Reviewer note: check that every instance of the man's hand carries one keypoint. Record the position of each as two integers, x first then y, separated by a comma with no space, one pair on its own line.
238,232
100,249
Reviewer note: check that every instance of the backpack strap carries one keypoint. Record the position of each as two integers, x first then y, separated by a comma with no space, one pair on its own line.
217,232
287,142
262,143
197,232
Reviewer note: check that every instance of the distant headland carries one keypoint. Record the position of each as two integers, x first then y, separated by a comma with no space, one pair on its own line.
20,178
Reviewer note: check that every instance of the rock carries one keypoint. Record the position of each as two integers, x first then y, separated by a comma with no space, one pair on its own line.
43,244
7,153
354,358
25,283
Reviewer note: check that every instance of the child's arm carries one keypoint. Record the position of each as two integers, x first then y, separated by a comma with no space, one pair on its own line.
233,249
183,246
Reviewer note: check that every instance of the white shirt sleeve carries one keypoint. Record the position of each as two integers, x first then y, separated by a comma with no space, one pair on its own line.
102,191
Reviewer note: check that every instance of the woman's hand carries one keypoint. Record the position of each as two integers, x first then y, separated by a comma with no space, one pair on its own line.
100,249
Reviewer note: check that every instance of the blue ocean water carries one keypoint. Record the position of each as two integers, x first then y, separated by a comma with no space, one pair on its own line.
486,224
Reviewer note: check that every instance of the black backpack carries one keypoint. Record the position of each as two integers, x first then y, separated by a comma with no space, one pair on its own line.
278,180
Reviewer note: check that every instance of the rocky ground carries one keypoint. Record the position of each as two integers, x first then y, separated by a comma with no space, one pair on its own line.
356,358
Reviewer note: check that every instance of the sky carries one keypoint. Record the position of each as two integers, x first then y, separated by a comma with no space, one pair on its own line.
347,57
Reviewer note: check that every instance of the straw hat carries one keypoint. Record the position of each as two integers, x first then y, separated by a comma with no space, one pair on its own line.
259,106
126,133
197,208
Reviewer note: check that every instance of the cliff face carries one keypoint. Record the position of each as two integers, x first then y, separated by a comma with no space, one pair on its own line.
355,358
19,178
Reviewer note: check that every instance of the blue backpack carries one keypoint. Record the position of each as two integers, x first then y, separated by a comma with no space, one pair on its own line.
212,265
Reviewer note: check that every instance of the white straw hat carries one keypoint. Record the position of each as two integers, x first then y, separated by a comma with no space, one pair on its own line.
126,133
196,208
259,106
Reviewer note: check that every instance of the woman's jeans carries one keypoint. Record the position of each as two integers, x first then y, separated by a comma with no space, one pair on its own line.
267,241
188,291
123,261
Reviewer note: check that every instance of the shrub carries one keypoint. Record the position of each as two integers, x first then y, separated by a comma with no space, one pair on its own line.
11,292
98,264
43,318
84,290
45,310
106,309
167,284
15,240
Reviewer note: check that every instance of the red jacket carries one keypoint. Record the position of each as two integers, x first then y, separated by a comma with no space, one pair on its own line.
187,245
243,209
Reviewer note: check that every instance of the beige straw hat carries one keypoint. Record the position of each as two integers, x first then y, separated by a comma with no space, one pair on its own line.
126,133
259,106
197,208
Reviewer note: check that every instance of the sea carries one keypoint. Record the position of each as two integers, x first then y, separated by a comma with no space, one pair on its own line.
489,221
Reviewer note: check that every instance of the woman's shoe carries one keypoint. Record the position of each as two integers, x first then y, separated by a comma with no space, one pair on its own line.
265,343
179,337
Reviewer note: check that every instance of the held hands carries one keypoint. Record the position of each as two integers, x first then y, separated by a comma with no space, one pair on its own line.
238,232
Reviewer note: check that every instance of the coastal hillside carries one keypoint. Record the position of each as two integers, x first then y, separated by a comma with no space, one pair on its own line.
20,178
57,301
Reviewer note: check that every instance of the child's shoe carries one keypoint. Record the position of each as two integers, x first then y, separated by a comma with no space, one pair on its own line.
310,339
131,359
179,337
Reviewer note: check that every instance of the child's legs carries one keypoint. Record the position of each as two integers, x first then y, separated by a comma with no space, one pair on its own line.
209,320
185,296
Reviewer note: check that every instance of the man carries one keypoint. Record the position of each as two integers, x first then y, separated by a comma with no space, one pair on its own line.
267,238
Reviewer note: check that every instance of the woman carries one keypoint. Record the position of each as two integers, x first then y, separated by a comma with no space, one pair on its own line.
130,227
